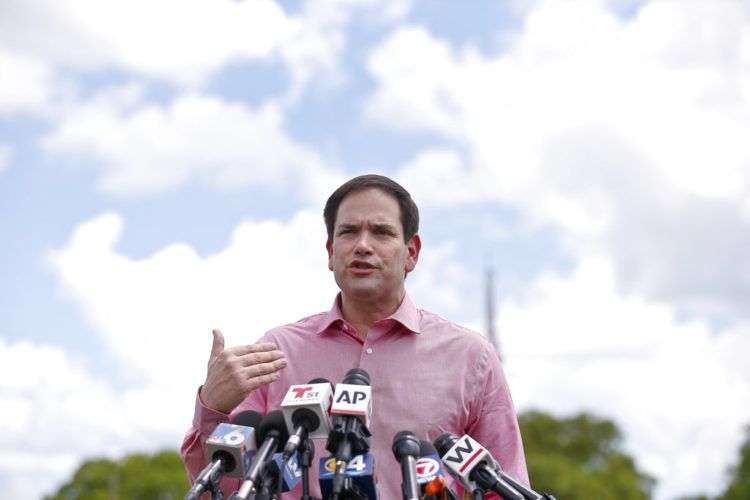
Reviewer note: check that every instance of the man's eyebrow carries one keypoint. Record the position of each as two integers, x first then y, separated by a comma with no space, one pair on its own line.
346,225
384,225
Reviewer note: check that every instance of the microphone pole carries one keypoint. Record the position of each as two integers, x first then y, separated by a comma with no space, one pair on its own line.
526,492
273,434
406,450
212,474
430,474
306,454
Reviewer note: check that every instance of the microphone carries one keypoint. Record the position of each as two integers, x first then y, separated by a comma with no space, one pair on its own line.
271,433
525,491
406,450
359,472
353,396
473,465
430,474
306,410
287,470
229,449
351,411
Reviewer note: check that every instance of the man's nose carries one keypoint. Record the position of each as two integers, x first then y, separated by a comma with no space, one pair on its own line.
363,246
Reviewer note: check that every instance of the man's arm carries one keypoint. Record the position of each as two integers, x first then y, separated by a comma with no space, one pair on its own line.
236,381
205,421
494,423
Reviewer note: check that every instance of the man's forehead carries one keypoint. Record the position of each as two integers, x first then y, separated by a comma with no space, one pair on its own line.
371,205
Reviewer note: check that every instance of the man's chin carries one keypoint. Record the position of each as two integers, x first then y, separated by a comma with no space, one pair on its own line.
361,291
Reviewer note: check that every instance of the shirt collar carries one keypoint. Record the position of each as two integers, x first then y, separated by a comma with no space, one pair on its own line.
407,315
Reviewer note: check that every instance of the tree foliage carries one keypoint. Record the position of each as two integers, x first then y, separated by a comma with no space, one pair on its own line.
739,482
580,458
135,477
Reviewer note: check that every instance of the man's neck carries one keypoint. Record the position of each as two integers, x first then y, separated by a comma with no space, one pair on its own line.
363,314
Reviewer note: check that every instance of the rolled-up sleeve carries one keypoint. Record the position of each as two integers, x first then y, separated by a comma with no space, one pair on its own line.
205,421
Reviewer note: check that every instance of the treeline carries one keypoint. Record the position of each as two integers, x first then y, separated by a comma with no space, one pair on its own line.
575,458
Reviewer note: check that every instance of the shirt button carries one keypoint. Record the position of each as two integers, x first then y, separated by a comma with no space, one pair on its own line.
368,350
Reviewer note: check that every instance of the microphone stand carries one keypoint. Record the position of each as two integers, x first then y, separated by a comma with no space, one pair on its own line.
305,458
264,493
348,437
349,491
213,487
212,484
478,494
267,489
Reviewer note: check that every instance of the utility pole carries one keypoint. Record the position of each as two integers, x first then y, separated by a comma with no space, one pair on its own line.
490,310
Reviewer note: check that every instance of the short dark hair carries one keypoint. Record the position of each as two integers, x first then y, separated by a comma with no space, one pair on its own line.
408,209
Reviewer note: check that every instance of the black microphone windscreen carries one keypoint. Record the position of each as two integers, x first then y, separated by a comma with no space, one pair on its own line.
248,418
356,376
274,421
321,380
405,443
445,442
426,448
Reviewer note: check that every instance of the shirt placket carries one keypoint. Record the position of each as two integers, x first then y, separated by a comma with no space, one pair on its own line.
368,350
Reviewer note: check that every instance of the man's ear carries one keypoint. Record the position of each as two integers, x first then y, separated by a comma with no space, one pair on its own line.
413,246
329,249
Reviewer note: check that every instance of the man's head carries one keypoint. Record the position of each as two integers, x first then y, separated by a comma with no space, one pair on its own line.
372,242
409,215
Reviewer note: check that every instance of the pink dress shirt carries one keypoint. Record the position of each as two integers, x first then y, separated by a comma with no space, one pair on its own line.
428,376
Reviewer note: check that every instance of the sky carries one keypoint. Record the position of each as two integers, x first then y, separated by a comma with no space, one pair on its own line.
163,168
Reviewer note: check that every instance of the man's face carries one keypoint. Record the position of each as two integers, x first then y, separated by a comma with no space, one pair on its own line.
368,255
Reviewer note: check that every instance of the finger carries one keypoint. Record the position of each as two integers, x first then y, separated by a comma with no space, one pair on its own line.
241,350
260,357
218,343
262,380
264,368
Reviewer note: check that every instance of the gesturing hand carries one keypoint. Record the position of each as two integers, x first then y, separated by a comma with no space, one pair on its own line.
235,372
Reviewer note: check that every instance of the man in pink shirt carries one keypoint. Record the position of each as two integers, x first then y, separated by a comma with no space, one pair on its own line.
428,375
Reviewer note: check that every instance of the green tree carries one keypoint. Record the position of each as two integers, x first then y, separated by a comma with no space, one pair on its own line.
135,477
739,482
580,458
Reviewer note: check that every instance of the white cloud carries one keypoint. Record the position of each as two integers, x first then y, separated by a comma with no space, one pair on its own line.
174,298
57,413
408,98
6,156
676,105
622,132
24,82
446,169
678,391
439,279
147,148
179,42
